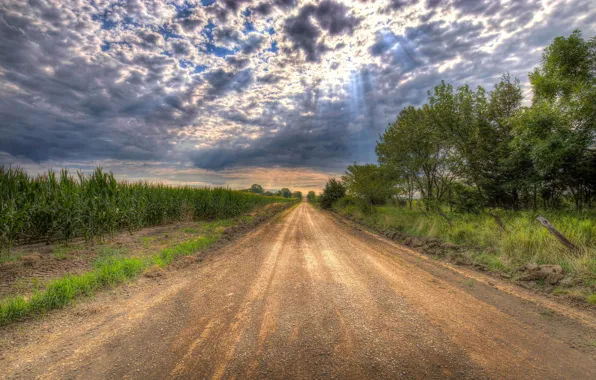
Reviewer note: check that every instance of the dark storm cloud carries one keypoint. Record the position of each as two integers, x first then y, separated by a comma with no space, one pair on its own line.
399,4
269,79
237,61
222,81
331,16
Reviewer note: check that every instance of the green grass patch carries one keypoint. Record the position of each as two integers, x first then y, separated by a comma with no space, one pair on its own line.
190,230
10,257
61,252
146,241
109,268
501,251
591,298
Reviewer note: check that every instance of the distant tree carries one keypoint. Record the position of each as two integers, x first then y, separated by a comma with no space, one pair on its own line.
268,194
258,189
369,183
333,191
311,196
297,194
285,192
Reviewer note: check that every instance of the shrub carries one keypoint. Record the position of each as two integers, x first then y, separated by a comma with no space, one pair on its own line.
334,191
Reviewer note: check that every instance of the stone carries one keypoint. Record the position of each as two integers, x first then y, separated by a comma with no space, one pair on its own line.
551,274
31,259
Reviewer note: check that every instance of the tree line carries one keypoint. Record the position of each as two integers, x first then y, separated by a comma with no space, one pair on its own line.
285,192
473,148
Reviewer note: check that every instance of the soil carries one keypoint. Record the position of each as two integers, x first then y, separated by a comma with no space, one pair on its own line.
37,263
308,296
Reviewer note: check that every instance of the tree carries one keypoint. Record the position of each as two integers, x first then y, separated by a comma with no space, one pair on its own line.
568,66
268,194
311,196
557,134
297,194
369,183
285,192
414,148
257,189
333,191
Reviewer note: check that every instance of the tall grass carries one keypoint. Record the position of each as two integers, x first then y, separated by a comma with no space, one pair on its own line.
59,207
524,241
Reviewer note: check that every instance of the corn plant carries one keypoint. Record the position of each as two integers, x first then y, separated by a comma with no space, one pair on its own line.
53,207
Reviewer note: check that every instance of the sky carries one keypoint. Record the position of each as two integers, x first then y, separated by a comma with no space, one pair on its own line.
283,93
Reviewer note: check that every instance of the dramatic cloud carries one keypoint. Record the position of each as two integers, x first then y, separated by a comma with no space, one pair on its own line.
284,92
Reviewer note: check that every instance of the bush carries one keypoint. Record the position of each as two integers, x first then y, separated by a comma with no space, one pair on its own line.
334,191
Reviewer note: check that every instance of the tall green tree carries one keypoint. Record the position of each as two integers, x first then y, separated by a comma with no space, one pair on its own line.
369,183
415,148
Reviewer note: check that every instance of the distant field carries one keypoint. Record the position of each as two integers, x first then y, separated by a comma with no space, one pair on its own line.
60,207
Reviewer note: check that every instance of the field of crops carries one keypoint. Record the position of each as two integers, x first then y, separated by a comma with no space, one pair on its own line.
60,207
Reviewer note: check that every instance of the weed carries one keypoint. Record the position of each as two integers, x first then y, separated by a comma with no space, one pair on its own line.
471,283
110,267
146,241
591,298
61,252
190,230
548,314
524,241
10,257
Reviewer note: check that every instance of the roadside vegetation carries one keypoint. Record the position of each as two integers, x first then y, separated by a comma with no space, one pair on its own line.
54,229
79,270
55,207
474,169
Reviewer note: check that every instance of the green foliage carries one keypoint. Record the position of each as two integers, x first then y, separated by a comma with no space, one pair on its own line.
369,183
257,189
465,198
311,196
525,240
297,194
285,192
474,149
334,190
568,64
59,208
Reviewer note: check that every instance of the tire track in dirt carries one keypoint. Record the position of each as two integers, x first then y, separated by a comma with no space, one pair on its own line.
307,296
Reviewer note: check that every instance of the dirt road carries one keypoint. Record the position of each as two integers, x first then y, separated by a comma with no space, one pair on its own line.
307,296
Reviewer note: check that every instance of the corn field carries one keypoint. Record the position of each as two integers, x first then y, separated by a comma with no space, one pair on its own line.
59,208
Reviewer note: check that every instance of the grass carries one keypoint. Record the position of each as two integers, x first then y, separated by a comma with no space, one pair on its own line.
61,252
524,241
111,266
505,252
